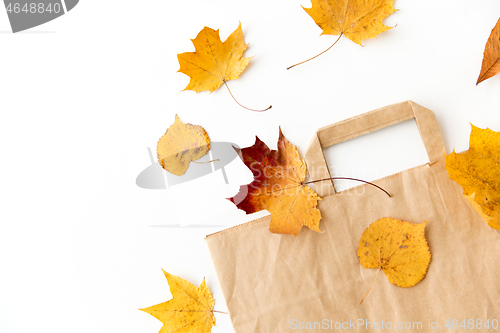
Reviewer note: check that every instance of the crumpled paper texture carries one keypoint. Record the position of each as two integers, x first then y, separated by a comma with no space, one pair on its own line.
272,281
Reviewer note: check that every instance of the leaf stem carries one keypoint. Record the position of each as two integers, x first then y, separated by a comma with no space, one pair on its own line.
371,286
347,178
216,160
317,54
242,105
219,311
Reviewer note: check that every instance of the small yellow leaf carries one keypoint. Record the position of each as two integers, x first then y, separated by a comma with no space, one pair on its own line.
190,309
355,19
181,144
399,248
213,62
478,172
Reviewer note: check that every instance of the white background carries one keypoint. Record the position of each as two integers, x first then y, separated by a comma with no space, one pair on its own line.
83,96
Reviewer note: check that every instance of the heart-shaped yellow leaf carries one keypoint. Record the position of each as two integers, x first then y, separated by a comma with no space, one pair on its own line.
181,144
399,248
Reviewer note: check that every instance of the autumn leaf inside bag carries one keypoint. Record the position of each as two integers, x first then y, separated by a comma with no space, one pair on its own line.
281,283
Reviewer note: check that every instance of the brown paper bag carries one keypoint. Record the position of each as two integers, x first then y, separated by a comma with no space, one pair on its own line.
314,282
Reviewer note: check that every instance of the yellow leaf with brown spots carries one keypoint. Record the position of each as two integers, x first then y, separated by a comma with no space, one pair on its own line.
492,222
189,310
477,170
181,144
399,248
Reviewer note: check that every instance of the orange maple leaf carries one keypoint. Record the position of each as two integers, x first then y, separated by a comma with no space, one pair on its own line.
278,187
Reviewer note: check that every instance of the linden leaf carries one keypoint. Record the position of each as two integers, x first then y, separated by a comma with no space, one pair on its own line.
278,187
355,19
190,309
398,248
213,62
491,58
181,144
478,172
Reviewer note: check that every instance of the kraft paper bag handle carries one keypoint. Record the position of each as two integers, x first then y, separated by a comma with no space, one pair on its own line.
366,123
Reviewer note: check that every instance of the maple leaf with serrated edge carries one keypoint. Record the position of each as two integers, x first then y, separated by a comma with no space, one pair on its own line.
214,62
477,170
355,19
190,309
278,187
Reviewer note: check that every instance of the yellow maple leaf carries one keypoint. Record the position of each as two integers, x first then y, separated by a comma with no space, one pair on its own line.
355,19
478,171
213,62
181,144
399,248
190,309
